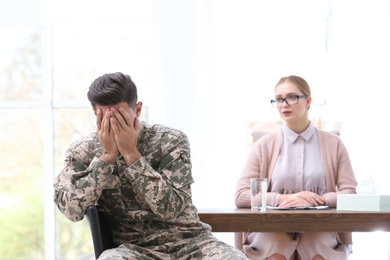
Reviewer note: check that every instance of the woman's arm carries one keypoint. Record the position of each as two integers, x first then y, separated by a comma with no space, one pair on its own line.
257,166
343,176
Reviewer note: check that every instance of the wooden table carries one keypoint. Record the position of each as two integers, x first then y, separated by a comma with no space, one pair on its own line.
330,220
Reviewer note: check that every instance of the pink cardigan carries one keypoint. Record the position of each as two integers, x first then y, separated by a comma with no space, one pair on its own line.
339,176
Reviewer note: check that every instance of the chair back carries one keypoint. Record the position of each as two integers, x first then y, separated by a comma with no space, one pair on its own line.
100,230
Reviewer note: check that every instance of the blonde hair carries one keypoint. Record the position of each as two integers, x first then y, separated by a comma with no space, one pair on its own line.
297,81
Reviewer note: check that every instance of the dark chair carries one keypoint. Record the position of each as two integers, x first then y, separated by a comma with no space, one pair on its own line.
100,230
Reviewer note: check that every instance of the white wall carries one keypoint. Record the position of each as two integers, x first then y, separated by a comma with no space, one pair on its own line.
219,63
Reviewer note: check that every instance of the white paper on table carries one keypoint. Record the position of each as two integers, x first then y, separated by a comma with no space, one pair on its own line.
298,208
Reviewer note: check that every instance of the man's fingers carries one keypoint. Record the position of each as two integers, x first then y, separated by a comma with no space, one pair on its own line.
114,126
119,118
106,122
99,119
126,116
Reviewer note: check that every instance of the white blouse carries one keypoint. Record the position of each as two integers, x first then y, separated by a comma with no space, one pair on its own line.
299,165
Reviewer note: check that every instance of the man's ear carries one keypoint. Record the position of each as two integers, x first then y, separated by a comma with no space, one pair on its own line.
138,108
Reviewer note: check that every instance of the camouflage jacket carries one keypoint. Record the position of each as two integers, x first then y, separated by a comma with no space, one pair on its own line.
147,203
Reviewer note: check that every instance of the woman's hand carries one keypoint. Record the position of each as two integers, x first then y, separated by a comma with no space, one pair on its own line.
300,199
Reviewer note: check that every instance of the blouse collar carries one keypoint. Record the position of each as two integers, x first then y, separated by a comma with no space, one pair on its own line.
292,136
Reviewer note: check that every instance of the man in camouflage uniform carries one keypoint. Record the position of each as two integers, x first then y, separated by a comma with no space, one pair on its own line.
140,176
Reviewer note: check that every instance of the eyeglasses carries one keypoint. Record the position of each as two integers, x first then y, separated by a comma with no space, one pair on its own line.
290,100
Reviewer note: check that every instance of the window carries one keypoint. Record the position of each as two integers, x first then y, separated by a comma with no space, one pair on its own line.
21,138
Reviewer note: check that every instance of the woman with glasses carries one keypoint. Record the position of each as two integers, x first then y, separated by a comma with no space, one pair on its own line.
304,166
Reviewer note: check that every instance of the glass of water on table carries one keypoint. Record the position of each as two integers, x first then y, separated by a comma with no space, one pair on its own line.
258,194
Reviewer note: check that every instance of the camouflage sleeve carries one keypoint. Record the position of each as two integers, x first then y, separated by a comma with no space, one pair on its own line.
166,189
80,185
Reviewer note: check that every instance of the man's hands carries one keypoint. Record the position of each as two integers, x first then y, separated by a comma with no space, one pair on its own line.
301,199
106,137
126,132
118,133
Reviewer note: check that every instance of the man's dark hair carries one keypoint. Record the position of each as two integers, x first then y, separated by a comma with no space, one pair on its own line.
111,89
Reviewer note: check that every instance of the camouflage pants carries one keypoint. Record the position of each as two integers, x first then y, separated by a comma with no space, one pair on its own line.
200,247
